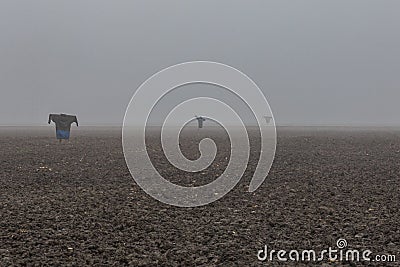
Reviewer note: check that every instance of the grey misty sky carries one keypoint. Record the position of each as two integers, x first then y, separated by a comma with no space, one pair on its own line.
318,62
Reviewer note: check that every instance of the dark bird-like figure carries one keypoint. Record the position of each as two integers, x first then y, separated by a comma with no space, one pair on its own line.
63,125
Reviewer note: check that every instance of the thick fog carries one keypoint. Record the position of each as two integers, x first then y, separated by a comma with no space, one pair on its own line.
318,62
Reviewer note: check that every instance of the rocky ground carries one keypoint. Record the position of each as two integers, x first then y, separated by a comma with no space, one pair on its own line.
75,203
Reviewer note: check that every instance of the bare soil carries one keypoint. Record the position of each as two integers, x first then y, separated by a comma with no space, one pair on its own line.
75,203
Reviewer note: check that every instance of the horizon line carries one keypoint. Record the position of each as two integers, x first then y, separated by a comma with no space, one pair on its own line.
248,125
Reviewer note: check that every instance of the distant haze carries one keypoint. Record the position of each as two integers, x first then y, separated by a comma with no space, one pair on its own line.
318,62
